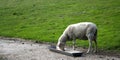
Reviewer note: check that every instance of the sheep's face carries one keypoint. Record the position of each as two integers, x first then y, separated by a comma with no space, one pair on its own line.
60,46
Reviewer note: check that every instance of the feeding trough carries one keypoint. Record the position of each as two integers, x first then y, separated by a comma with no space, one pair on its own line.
72,53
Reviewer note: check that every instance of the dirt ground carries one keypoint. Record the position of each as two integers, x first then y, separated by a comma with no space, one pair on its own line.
19,49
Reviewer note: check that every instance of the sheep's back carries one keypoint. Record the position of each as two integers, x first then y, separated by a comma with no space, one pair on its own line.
80,30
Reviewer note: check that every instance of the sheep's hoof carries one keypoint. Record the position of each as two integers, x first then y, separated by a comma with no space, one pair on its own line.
88,52
73,49
95,51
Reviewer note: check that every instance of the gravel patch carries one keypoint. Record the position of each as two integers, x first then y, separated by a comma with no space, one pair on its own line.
16,49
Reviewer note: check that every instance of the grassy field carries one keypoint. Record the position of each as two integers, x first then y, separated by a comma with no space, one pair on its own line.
45,20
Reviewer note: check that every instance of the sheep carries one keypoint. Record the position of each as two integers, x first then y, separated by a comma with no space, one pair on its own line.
82,31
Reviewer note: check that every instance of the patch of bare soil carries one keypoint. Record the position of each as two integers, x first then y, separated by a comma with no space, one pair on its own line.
19,49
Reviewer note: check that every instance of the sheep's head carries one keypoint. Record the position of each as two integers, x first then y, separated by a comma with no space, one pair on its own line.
60,46
61,42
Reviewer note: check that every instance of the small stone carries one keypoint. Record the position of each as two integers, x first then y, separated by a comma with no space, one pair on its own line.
31,44
101,57
33,59
23,43
36,41
112,59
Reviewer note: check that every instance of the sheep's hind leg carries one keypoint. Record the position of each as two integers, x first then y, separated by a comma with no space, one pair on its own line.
90,36
90,47
95,51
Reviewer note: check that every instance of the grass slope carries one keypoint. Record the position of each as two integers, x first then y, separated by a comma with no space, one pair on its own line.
45,20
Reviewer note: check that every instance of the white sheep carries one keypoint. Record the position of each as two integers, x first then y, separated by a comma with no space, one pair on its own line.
83,31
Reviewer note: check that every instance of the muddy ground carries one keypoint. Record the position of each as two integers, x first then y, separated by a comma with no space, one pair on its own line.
19,49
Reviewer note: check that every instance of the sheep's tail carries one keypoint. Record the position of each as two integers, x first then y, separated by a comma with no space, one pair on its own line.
95,35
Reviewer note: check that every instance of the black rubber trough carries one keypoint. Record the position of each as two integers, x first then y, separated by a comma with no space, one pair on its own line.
72,53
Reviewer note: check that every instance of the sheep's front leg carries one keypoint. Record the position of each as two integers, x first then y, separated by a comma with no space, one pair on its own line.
74,44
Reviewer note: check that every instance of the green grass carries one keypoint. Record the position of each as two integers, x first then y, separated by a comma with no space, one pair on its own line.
45,20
